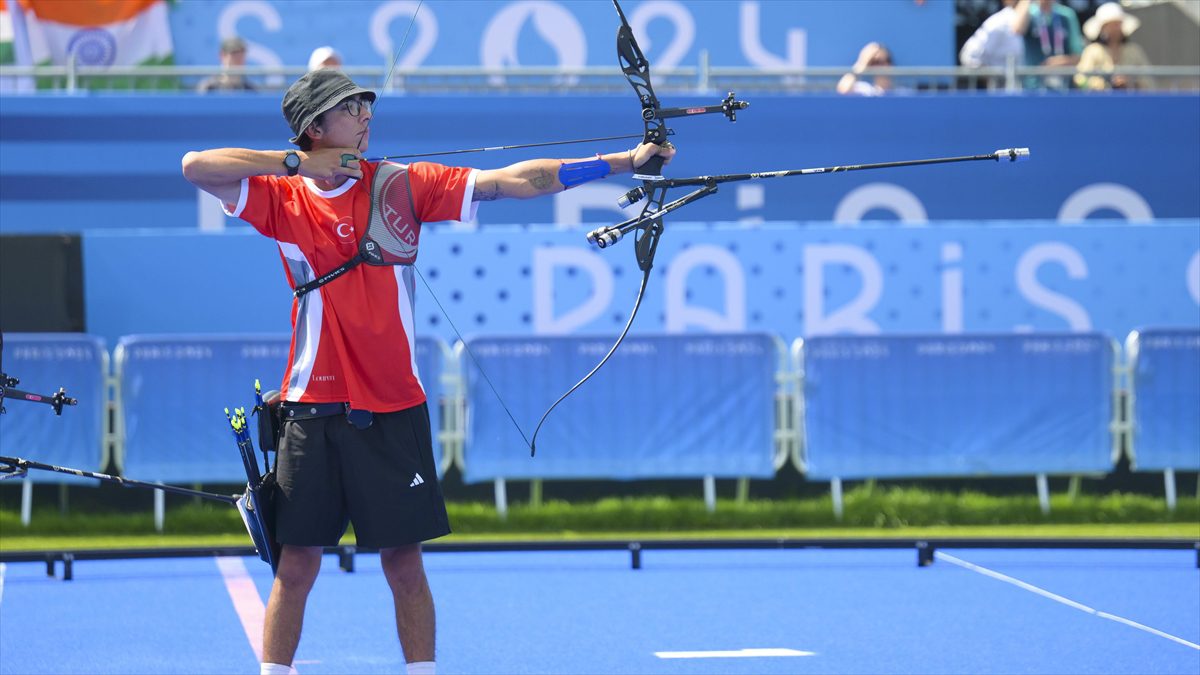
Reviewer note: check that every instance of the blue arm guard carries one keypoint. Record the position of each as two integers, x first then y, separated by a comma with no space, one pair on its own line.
571,174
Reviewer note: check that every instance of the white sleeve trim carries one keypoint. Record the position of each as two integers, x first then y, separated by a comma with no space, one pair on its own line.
469,205
241,204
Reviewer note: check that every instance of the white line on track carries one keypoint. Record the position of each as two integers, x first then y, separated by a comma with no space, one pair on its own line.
246,601
732,654
3,567
1058,598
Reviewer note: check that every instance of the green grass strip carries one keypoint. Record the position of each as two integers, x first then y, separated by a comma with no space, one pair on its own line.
869,512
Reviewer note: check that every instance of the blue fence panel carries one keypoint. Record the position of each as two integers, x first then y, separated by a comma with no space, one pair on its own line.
1166,399
662,407
430,364
44,362
174,389
986,405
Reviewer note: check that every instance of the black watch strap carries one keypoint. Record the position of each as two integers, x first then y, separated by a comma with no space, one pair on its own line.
291,162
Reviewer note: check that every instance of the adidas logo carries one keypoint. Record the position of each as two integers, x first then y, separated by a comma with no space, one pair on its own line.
417,480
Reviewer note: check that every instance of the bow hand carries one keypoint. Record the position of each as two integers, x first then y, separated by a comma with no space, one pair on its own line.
649,158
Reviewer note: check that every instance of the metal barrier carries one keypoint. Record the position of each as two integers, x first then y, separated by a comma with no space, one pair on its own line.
1163,403
1053,404
668,406
703,78
78,363
957,406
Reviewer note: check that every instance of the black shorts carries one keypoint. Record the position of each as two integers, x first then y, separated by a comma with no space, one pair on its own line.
381,478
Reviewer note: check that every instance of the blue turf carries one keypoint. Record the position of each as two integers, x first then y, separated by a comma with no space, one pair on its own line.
588,612
121,616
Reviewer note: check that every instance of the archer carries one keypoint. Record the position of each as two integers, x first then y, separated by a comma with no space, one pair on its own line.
356,443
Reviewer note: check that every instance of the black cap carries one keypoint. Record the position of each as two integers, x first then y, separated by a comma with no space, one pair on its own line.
316,93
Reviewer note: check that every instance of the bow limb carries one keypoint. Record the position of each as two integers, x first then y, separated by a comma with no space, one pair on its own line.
636,69
612,350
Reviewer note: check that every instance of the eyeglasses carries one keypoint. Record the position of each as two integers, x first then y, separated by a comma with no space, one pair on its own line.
355,106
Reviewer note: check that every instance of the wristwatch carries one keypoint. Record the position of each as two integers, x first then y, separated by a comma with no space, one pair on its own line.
291,162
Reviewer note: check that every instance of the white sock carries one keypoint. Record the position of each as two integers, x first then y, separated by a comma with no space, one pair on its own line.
422,668
274,669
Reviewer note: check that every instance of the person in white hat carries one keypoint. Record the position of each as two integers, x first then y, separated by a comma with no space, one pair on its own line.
1109,29
324,57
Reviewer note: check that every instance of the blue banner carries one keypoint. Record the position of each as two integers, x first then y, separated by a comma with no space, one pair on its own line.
788,279
1080,169
567,33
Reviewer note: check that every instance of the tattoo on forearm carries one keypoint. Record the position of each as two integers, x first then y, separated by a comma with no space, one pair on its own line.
523,182
486,193
542,180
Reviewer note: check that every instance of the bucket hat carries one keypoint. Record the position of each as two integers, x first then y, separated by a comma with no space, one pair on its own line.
315,93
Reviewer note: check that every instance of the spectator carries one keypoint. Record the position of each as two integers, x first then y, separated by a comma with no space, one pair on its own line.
874,55
1110,29
994,42
1052,36
233,55
324,57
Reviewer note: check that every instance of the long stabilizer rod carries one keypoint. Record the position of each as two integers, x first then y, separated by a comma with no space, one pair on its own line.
15,466
1009,154
608,235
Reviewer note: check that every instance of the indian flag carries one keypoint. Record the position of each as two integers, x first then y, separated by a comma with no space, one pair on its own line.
97,33
8,53
7,57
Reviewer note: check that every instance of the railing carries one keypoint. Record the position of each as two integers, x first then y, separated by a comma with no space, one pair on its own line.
703,78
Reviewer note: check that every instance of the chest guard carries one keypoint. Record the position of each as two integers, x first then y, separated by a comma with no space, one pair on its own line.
393,227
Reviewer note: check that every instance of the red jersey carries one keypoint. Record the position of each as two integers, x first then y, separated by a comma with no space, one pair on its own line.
352,339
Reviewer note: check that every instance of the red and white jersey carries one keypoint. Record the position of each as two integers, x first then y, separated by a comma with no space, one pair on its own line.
353,338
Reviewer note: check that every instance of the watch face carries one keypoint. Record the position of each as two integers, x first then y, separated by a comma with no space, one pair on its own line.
291,160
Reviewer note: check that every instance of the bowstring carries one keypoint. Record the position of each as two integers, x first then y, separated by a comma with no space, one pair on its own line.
386,80
403,41
478,367
542,144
